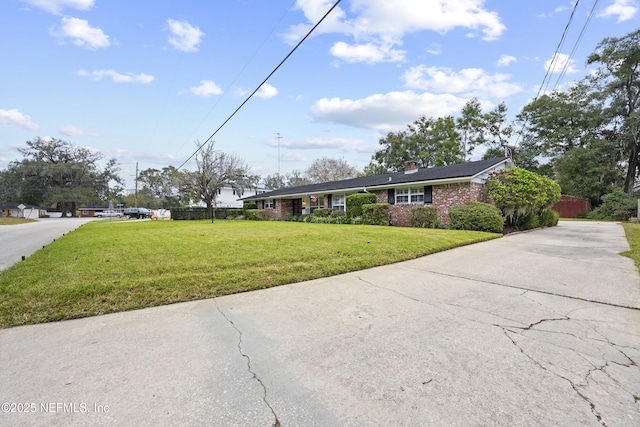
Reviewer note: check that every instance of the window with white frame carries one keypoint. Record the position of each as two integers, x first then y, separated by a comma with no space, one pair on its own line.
337,202
316,202
410,195
269,204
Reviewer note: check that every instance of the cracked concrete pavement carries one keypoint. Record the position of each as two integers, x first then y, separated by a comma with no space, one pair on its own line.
534,329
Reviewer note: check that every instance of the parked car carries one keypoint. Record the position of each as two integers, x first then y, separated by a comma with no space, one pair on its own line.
108,214
137,213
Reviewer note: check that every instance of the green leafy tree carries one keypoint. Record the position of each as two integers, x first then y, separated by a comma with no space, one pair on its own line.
497,129
374,169
470,125
55,173
428,142
562,121
618,83
591,171
168,187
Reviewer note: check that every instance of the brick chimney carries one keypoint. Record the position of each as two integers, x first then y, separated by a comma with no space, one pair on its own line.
410,167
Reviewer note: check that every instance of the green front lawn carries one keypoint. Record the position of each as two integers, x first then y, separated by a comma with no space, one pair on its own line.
13,221
632,232
106,267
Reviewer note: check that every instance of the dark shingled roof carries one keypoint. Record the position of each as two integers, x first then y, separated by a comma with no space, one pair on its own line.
461,170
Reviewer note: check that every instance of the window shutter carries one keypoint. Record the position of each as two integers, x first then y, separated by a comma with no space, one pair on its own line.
428,194
391,196
329,201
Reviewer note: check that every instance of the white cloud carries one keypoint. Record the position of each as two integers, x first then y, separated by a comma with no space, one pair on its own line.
71,130
266,91
369,52
314,10
82,34
15,118
385,112
206,88
506,60
383,23
55,6
435,49
324,143
558,61
624,10
117,77
468,82
184,36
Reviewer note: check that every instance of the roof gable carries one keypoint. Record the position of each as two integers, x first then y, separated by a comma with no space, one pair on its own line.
455,171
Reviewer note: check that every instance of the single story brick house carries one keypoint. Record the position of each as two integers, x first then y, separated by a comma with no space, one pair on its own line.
440,187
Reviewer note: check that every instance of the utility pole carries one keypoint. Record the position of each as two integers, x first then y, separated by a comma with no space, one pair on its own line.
135,197
278,138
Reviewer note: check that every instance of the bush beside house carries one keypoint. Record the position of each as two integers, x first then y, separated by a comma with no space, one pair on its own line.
356,201
523,196
476,216
424,217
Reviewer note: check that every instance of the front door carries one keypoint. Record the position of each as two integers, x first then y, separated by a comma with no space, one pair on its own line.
297,207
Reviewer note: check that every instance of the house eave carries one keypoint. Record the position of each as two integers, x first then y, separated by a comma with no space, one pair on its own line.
367,189
477,177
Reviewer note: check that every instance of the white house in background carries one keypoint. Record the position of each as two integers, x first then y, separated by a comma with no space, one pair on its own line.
228,196
19,211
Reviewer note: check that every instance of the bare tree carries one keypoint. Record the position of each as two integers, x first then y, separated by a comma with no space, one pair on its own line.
326,169
216,170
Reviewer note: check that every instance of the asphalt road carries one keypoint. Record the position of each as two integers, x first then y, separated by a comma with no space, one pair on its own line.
24,239
534,329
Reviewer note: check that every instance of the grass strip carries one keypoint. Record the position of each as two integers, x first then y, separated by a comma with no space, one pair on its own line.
105,267
14,221
632,231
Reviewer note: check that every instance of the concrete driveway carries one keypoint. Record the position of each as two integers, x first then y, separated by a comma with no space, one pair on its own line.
534,329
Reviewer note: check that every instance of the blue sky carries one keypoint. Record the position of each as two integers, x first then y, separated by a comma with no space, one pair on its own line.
141,81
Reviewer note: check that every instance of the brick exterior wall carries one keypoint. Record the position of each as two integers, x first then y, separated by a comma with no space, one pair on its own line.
444,196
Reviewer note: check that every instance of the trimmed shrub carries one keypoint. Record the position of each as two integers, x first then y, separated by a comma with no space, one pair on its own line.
322,212
376,214
616,205
476,216
528,222
189,213
583,214
424,217
253,215
549,218
356,201
518,192
336,213
233,213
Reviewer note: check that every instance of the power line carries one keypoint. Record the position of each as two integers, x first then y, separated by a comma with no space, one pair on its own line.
230,85
260,85
575,45
554,60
